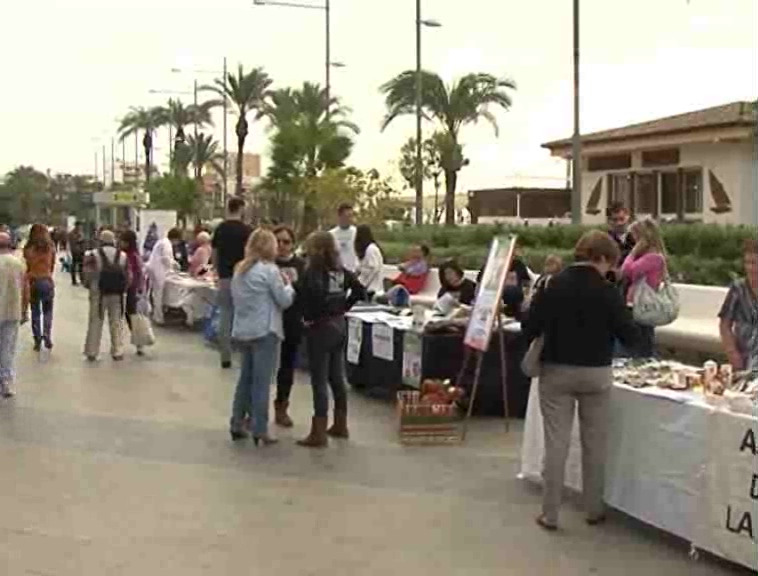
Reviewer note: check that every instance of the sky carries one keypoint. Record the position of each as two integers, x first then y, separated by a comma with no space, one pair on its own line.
71,69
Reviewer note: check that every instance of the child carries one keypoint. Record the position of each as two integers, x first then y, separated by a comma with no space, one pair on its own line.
553,265
412,277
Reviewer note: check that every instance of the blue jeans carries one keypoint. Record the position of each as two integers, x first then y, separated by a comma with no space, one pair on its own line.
8,340
41,301
252,393
326,354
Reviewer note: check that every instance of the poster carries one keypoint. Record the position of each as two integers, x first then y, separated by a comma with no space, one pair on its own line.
354,340
412,351
383,342
153,225
487,304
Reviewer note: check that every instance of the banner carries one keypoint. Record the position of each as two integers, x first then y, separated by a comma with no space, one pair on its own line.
412,351
383,342
354,340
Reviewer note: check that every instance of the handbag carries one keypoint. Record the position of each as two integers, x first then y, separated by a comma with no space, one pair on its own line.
651,307
142,331
531,363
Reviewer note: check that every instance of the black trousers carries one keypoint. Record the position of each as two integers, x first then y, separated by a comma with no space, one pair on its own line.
326,360
77,262
285,377
131,306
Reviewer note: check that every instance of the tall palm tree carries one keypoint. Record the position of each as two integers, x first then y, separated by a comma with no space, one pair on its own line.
204,153
248,92
146,120
179,116
466,101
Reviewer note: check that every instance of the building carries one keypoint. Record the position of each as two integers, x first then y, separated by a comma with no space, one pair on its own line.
251,171
514,205
698,166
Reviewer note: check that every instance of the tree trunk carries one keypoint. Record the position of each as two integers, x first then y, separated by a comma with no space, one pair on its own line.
241,135
451,182
147,143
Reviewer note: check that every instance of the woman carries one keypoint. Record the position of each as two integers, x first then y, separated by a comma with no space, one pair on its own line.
292,267
739,314
260,293
13,307
201,257
39,254
646,262
326,291
136,277
454,282
579,315
370,260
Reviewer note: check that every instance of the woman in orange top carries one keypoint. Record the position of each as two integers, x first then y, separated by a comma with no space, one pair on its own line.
39,254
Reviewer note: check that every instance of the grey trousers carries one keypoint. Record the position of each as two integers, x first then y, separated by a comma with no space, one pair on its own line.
111,307
562,388
226,318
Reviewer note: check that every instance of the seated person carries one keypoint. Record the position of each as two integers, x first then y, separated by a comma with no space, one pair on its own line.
516,282
413,272
201,257
454,283
553,265
739,314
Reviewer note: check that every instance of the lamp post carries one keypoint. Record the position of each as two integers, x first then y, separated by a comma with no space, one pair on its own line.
419,161
576,153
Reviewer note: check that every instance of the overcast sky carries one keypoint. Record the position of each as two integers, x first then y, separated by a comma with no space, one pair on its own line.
71,68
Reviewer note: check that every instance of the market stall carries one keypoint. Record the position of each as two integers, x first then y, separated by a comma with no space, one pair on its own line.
193,296
681,460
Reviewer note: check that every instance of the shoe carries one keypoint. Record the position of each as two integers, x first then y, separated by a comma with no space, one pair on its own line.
140,352
226,364
317,437
117,358
597,520
238,435
339,428
37,345
266,440
545,525
8,392
91,358
281,417
48,343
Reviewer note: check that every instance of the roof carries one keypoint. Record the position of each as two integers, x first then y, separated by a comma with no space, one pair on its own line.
725,116
520,189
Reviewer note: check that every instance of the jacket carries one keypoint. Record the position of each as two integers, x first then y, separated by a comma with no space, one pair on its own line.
14,290
260,296
328,294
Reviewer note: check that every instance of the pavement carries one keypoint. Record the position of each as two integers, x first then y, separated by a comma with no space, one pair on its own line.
121,469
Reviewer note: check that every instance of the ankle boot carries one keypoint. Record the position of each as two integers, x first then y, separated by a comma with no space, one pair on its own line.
281,417
317,438
339,428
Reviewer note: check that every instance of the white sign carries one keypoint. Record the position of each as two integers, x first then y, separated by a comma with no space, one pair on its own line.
383,342
153,225
354,340
412,350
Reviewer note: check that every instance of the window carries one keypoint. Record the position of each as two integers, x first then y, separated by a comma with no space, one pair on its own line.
614,162
693,191
646,194
682,191
620,189
667,157
669,193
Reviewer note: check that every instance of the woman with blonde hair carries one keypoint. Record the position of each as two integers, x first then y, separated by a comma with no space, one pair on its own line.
201,257
39,255
260,293
646,262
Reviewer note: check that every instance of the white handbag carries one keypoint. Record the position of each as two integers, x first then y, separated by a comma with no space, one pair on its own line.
651,307
142,331
531,363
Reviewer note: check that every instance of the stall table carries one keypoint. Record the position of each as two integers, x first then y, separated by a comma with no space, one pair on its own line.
193,296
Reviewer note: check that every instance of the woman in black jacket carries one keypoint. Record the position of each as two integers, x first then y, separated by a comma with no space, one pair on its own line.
579,315
326,292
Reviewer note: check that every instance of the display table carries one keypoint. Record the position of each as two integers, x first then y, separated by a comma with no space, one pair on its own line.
441,356
193,296
674,462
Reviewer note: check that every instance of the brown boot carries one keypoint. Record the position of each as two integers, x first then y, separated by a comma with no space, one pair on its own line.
281,417
317,438
339,428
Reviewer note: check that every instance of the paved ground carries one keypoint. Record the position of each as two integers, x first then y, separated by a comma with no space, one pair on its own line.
121,470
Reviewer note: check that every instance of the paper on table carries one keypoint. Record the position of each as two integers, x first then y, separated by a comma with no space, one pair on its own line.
383,342
666,393
354,340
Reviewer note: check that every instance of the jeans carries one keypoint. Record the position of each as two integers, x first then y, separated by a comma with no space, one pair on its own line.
226,318
8,340
252,393
285,377
77,262
41,302
326,353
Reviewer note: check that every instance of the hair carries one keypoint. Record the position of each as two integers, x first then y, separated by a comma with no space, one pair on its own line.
39,238
451,264
5,240
203,237
617,207
175,234
594,246
648,231
364,238
344,207
261,247
235,205
288,230
107,237
553,261
129,239
750,246
425,250
322,252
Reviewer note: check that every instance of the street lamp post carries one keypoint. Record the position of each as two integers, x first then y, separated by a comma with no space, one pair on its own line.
576,153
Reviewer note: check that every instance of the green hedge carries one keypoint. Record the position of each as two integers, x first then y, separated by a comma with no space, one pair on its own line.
698,253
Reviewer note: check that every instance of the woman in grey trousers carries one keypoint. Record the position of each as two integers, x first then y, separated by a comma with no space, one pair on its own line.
579,315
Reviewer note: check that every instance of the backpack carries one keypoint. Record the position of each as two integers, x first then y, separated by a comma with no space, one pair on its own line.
112,280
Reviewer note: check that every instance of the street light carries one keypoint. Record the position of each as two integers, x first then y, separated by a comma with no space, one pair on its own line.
419,163
328,64
576,153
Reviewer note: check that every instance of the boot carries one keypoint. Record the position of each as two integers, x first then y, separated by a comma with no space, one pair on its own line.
339,428
317,438
281,417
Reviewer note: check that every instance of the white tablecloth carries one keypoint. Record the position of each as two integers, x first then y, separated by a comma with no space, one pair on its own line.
194,296
681,466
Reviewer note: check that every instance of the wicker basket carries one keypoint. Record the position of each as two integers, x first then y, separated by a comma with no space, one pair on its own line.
427,423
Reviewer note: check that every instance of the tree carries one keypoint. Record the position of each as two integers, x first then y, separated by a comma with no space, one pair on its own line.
248,92
28,194
204,153
179,116
146,120
407,162
174,192
464,102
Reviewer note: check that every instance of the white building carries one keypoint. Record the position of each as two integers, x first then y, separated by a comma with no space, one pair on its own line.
698,166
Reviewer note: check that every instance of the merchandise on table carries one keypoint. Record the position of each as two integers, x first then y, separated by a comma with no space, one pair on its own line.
432,415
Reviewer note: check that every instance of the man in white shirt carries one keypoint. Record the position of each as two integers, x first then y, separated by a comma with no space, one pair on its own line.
159,265
344,236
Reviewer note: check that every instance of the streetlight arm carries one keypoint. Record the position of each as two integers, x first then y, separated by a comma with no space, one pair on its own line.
289,4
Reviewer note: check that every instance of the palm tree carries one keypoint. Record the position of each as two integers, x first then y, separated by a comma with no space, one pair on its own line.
464,102
204,153
178,116
146,120
248,92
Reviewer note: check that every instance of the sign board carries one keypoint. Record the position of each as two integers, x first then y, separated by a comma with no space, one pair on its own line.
412,353
124,198
153,225
490,295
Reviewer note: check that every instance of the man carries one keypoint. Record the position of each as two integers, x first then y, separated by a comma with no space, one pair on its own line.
618,220
159,265
77,247
14,300
229,242
344,236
